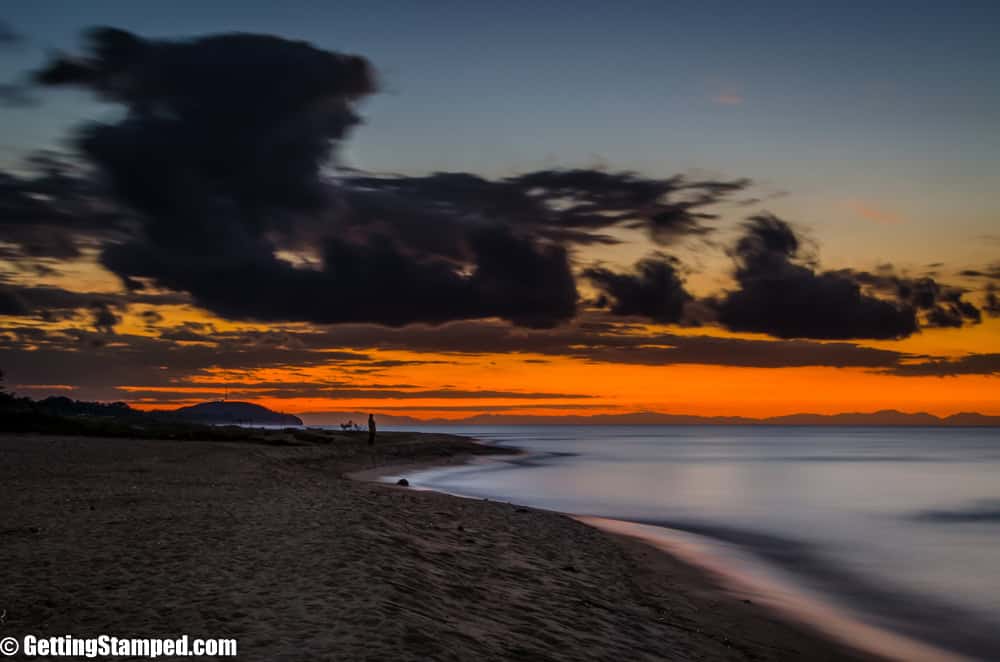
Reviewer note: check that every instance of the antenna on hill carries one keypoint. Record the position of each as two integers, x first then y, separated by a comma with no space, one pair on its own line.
225,396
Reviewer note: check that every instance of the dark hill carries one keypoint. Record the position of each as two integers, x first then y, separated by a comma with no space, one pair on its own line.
245,413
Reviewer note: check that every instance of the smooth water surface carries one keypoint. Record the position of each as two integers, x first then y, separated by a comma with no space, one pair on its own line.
901,525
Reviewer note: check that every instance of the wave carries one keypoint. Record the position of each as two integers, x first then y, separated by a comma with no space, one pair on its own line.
903,611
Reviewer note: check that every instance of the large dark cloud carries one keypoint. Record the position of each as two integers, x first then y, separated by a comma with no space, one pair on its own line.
246,118
221,189
221,156
782,295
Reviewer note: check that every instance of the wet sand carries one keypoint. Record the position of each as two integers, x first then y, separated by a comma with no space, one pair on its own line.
273,545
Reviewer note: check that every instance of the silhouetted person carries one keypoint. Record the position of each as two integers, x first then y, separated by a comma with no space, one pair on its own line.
371,429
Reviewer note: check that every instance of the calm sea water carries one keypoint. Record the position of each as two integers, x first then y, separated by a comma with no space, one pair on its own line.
899,525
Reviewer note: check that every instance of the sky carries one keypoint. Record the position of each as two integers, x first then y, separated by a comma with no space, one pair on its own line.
703,208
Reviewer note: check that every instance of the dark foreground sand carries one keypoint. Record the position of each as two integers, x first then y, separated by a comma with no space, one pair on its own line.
272,546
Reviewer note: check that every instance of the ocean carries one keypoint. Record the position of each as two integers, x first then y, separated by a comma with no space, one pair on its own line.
895,528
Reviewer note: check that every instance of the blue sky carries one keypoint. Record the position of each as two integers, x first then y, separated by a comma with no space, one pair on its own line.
889,106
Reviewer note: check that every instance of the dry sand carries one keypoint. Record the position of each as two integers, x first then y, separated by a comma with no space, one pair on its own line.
273,546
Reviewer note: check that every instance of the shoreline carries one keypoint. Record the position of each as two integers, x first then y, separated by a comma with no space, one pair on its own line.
879,644
274,546
374,474
788,601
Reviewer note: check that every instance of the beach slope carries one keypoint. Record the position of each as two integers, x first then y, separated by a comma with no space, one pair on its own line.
270,543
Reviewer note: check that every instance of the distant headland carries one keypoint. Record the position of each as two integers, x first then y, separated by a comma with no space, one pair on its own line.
239,413
62,415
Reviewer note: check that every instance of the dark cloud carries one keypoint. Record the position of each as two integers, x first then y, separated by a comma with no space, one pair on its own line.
221,191
784,296
191,355
447,394
104,318
302,385
654,289
238,210
937,304
972,364
308,390
84,359
372,282
57,304
991,272
440,248
781,297
953,314
54,304
596,342
151,318
54,208
665,208
603,343
221,196
566,206
11,303
188,354
991,306
248,117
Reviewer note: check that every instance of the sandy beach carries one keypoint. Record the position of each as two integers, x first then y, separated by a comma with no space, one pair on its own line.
273,545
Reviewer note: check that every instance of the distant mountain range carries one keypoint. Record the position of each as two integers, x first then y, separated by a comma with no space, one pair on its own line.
248,413
245,413
884,417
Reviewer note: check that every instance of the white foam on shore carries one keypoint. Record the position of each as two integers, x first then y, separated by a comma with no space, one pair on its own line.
745,577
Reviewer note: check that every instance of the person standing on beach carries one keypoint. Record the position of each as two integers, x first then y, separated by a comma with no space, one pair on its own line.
371,429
